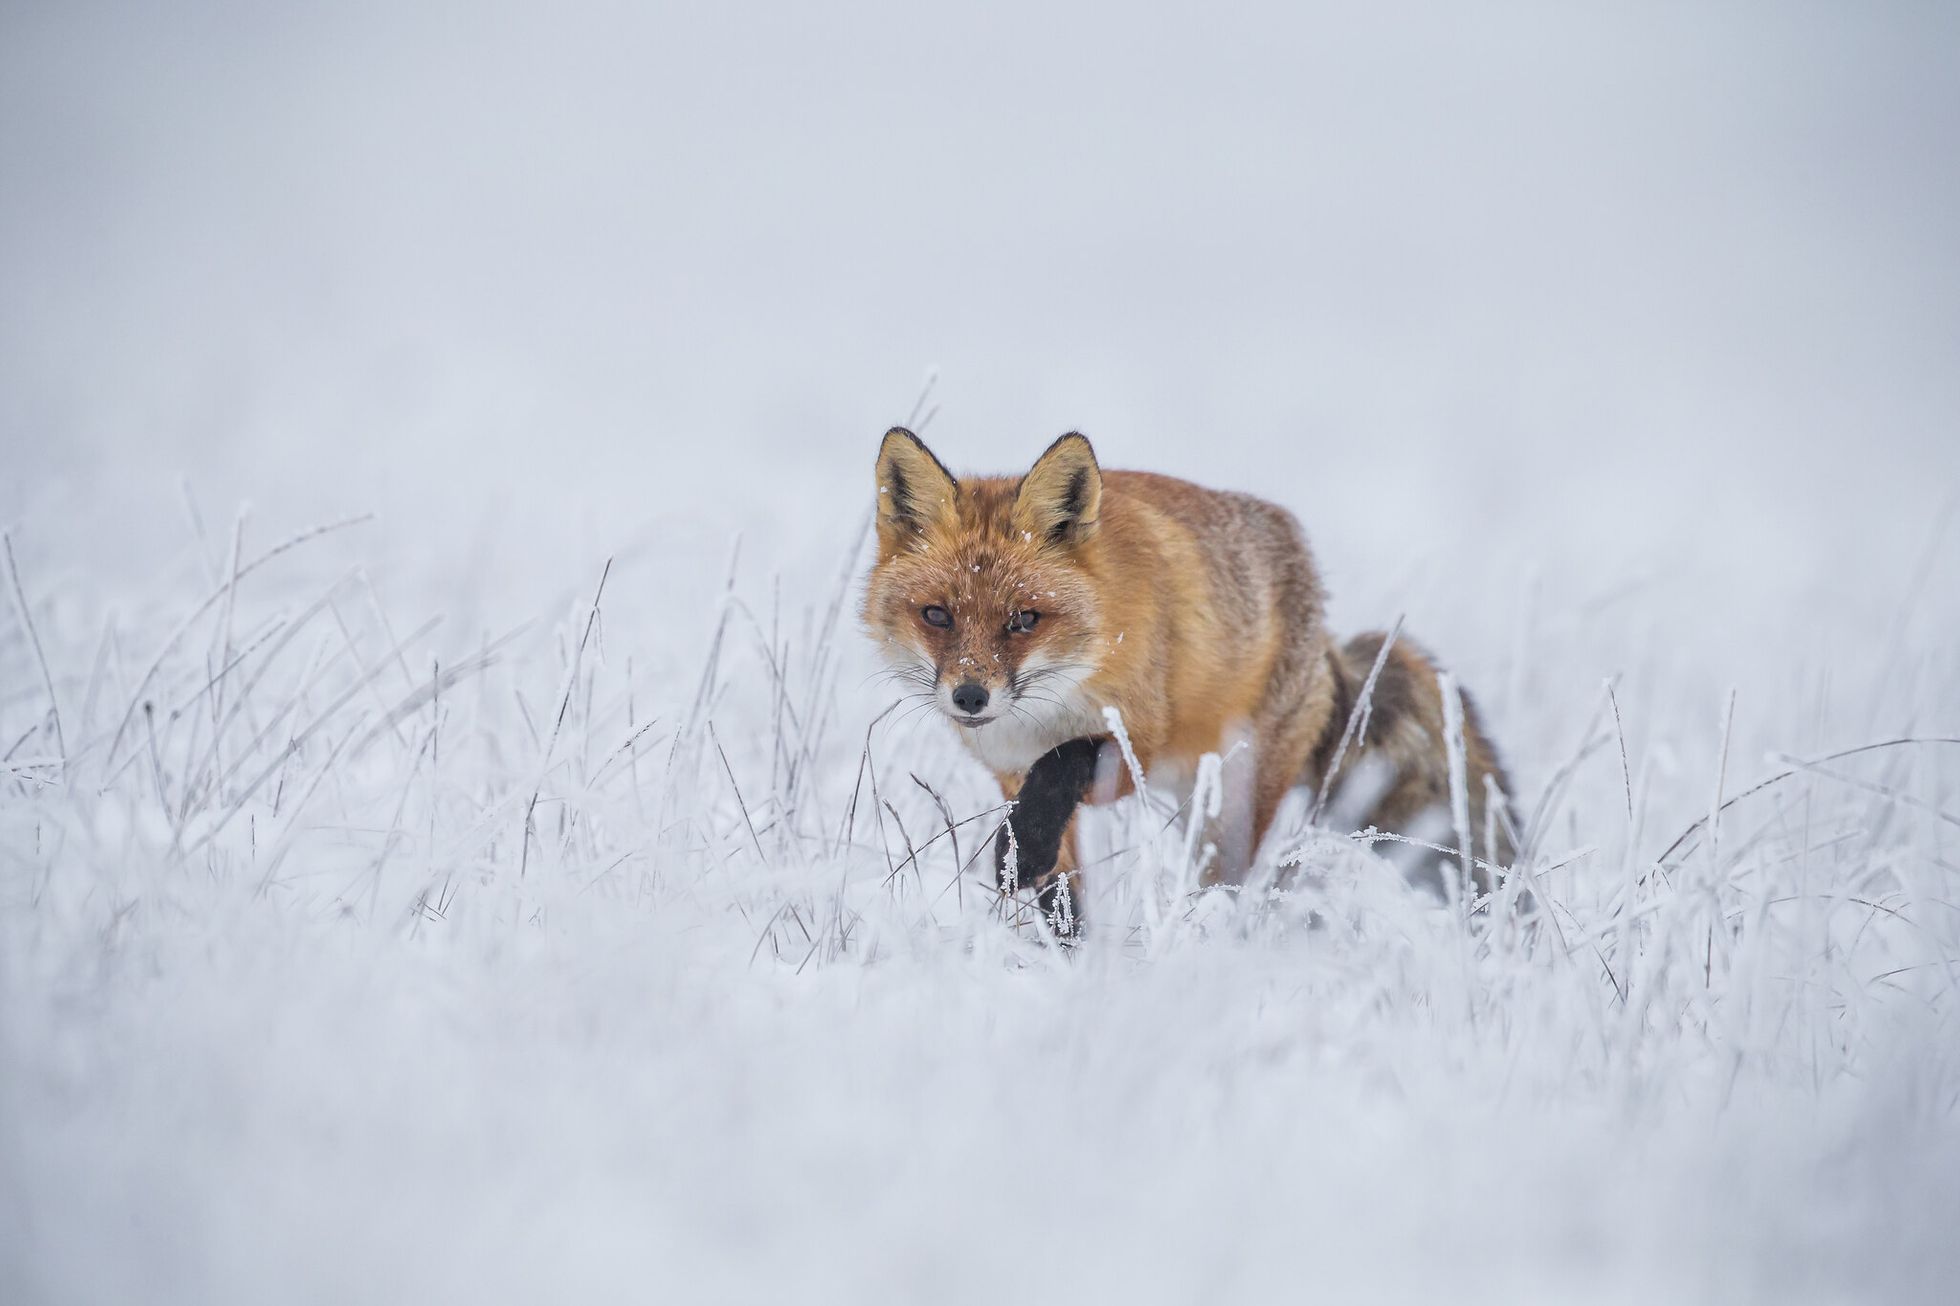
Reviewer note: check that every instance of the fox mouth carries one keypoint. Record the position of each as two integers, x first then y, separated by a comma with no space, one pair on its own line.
974,723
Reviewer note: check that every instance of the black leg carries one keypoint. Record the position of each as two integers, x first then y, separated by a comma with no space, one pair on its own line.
1055,784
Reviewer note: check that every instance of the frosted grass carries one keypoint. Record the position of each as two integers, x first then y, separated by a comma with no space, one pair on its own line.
337,970
398,914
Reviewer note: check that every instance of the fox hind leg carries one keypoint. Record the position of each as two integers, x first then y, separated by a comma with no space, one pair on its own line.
1404,752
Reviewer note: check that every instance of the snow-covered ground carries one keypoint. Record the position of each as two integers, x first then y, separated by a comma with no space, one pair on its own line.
450,844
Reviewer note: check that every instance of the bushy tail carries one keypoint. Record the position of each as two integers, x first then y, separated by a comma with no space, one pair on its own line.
1396,771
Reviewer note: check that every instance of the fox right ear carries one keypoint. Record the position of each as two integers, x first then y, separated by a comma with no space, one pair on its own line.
1060,499
914,488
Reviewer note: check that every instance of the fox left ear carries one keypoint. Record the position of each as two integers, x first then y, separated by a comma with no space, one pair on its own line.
914,489
1060,499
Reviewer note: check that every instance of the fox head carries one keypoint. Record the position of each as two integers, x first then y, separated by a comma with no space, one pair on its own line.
983,594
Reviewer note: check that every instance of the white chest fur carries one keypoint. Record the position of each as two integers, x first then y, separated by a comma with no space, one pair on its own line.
1033,726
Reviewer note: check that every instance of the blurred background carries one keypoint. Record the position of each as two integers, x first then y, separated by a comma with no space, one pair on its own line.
1599,341
1644,314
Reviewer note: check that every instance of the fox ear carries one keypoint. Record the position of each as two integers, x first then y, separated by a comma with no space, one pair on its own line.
914,488
1060,499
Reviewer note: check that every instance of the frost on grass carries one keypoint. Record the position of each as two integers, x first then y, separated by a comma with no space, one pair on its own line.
574,959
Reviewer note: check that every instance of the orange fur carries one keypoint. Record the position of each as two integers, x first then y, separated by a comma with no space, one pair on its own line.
1195,613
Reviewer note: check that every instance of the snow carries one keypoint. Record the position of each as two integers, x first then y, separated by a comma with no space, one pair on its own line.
565,949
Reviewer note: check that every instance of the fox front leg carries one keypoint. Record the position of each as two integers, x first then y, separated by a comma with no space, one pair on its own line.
1054,786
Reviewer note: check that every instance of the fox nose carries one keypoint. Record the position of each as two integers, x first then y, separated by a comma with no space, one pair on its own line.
969,698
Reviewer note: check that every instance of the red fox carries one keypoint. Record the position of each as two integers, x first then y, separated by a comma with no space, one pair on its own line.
1023,607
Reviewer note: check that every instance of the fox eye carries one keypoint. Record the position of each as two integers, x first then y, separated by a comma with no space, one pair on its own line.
1022,622
937,616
